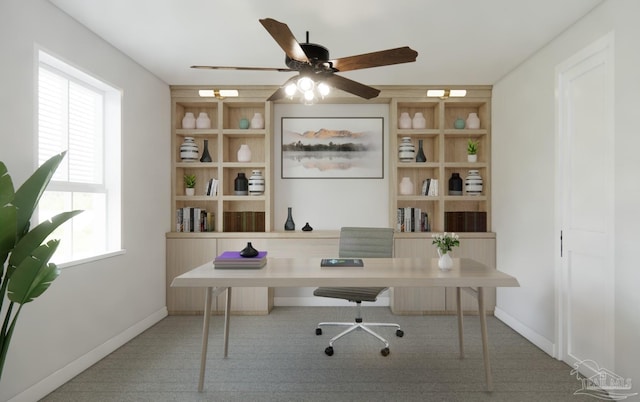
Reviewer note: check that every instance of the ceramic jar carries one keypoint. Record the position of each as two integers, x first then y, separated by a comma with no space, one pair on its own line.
203,121
404,121
189,120
406,150
420,156
257,121
189,150
406,186
241,185
473,121
256,183
419,121
459,123
244,153
473,183
455,184
244,123
206,156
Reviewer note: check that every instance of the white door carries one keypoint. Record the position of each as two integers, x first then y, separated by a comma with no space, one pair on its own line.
585,264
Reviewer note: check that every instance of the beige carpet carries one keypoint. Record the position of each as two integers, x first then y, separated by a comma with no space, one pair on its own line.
279,358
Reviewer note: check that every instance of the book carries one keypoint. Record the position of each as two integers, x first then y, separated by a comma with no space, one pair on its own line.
233,260
341,262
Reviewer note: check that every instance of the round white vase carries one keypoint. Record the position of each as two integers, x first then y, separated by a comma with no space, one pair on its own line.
404,121
257,121
473,183
406,150
445,262
406,186
244,153
189,120
419,121
473,121
203,121
189,150
256,183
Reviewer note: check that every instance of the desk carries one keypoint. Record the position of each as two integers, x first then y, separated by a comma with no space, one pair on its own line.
466,274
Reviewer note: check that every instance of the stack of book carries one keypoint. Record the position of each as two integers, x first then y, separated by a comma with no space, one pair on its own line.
430,187
411,219
212,188
192,219
233,260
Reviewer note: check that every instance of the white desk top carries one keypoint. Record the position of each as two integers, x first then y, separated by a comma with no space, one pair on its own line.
383,272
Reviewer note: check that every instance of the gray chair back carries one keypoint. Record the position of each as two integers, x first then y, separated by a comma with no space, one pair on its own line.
363,242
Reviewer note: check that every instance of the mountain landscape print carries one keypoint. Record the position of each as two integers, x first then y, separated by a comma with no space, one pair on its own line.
332,147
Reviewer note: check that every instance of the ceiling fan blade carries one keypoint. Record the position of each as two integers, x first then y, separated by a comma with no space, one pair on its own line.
242,68
282,34
351,86
376,59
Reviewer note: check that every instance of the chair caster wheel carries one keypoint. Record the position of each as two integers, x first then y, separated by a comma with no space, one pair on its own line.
399,333
318,331
329,351
385,352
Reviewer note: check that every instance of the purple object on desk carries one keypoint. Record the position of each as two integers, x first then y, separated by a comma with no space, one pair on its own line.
235,255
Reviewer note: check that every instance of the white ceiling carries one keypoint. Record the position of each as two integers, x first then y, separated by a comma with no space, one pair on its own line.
458,41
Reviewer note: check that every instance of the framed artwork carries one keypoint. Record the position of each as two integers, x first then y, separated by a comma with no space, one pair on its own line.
332,147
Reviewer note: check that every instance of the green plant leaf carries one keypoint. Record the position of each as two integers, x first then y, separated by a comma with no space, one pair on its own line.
34,275
28,195
6,186
8,217
32,240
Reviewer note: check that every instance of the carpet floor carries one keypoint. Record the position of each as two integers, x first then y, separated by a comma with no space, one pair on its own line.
279,358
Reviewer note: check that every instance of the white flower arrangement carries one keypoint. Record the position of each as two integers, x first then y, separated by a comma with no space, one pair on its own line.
445,242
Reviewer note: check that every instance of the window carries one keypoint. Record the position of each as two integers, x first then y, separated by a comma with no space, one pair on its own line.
81,115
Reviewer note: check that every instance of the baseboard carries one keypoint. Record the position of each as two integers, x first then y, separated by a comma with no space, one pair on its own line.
61,376
323,302
532,336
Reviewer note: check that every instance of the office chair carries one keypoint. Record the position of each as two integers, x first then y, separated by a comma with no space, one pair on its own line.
360,242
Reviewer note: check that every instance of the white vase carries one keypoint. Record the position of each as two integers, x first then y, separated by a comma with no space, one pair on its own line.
406,186
473,183
190,191
189,150
189,120
203,121
406,150
473,122
404,121
256,183
257,121
244,153
419,121
445,262
472,158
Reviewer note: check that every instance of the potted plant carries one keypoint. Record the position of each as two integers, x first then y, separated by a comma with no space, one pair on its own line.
26,272
472,150
190,184
445,243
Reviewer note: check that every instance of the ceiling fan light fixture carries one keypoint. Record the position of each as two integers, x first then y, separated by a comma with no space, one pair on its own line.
306,84
291,89
323,89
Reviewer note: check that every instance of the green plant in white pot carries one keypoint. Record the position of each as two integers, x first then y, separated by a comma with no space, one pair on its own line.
472,150
190,184
26,271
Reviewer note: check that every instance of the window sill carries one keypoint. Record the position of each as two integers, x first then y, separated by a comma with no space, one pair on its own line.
69,264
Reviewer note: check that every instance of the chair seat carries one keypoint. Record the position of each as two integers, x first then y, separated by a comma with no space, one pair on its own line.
351,294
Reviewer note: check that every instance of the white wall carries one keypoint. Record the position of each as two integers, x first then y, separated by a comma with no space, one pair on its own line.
524,177
93,308
328,204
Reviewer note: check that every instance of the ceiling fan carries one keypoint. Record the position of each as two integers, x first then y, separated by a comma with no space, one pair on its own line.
311,60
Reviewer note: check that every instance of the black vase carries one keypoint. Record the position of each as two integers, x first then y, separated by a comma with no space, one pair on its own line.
455,184
241,185
289,224
307,228
206,156
420,157
248,251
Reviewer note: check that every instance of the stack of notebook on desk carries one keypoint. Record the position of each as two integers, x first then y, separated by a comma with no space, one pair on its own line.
233,260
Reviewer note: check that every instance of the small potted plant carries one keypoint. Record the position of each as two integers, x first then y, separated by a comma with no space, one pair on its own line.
472,150
190,184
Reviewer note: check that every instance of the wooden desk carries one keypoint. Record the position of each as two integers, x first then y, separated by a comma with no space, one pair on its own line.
467,274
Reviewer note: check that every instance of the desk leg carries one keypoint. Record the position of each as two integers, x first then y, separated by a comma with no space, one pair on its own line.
460,323
205,336
227,318
485,346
